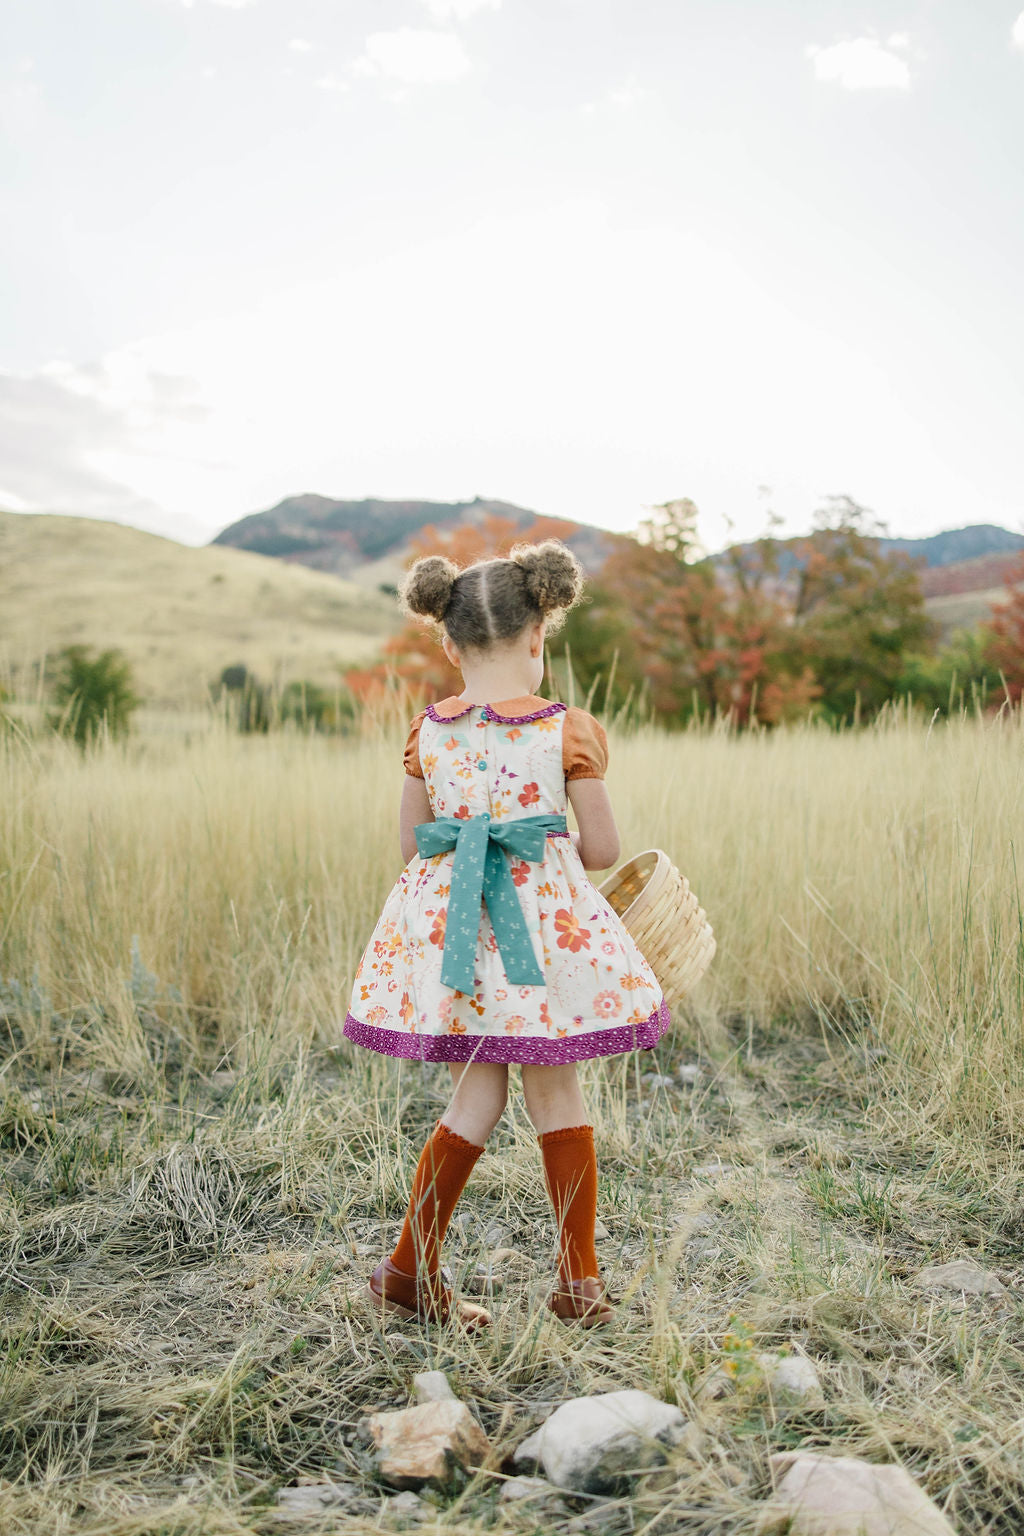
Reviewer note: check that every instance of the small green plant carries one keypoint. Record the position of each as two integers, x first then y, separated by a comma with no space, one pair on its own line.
93,694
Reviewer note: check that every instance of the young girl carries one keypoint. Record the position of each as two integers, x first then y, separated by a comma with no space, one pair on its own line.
494,948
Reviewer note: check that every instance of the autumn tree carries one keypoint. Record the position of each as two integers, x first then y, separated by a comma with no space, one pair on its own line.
857,610
1005,647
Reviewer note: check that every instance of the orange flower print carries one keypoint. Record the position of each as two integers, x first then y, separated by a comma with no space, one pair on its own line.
377,1015
428,762
477,1007
455,1027
520,872
571,932
462,814
607,948
515,1024
608,1005
437,931
630,983
638,1017
529,794
514,734
364,991
545,1016
451,744
407,1010
548,724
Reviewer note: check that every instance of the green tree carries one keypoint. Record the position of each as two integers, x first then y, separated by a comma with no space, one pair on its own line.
93,693
857,611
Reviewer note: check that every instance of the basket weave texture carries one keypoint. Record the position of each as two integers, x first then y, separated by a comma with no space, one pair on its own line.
665,918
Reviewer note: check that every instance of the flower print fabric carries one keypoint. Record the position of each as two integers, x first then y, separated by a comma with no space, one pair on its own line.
599,995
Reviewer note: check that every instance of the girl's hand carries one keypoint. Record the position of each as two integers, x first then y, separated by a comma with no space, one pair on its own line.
597,841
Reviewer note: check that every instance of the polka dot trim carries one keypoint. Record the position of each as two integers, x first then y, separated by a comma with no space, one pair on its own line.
510,1048
491,714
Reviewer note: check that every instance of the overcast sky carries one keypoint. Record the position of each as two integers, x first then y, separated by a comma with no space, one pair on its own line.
583,255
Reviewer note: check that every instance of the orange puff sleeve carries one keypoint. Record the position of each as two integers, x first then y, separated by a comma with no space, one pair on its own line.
412,748
584,746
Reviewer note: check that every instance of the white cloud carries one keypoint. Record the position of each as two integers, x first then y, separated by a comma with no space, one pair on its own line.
231,5
1017,35
461,10
861,64
414,57
898,40
333,83
300,45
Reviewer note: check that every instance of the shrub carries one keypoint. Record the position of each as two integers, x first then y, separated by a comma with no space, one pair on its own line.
93,693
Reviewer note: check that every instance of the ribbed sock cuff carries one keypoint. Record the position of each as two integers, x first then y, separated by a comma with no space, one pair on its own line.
450,1138
567,1133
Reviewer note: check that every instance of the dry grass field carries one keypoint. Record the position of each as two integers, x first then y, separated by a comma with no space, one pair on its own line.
180,615
199,1173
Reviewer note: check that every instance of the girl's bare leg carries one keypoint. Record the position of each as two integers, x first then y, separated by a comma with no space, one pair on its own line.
478,1102
553,1097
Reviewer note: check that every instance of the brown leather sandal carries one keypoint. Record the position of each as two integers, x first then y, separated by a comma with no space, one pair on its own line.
432,1301
583,1301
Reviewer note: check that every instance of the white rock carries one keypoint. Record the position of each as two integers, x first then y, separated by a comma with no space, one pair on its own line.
409,1506
532,1499
959,1276
432,1387
592,1444
716,1170
601,1233
308,1499
485,1278
517,1488
791,1376
527,1452
689,1074
843,1496
654,1080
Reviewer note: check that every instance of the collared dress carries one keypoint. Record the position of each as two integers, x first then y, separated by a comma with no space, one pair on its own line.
599,996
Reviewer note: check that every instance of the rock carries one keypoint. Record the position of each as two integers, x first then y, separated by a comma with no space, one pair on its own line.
532,1497
689,1074
425,1444
655,1080
432,1387
959,1276
601,1233
483,1279
527,1453
716,1170
593,1444
495,1236
844,1496
301,1501
792,1377
716,1386
408,1506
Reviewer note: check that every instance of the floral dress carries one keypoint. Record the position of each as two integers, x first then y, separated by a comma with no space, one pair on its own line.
501,763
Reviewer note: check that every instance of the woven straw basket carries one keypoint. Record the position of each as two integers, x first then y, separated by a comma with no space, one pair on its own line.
665,918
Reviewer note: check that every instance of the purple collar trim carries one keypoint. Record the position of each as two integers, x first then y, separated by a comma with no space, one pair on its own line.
492,714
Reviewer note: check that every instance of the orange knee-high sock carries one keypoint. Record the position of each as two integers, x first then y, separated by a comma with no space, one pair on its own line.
445,1164
570,1168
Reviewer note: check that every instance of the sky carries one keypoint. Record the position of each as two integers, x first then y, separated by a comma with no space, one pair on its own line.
581,255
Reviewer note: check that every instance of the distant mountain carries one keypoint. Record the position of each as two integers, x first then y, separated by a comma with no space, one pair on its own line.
370,541
958,544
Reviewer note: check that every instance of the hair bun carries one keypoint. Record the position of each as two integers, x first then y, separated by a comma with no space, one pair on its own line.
554,577
427,589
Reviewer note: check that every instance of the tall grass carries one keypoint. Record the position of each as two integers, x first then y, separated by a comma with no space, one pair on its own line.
870,879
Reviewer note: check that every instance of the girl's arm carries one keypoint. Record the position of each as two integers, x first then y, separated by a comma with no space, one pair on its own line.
598,839
415,808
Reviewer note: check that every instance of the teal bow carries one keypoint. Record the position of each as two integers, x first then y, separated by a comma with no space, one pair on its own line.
480,871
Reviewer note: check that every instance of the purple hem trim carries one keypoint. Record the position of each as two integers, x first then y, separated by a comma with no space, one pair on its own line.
510,1048
493,716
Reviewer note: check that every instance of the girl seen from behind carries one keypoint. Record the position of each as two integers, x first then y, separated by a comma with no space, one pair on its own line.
494,949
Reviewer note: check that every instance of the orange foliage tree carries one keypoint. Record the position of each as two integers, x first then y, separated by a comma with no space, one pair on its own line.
1005,647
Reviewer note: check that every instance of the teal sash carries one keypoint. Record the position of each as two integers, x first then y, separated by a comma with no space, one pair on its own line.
480,871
